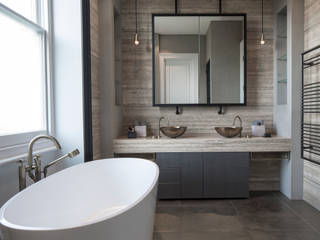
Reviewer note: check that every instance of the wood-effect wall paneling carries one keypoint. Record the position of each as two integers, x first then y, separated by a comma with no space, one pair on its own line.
137,76
137,67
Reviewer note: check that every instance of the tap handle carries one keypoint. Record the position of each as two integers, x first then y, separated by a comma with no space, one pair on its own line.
72,154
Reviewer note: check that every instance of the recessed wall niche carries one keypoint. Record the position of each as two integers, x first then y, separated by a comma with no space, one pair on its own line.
281,51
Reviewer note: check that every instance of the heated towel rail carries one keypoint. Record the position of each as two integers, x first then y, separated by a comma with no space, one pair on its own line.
310,109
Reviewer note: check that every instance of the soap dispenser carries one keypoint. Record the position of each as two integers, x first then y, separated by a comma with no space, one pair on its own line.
258,128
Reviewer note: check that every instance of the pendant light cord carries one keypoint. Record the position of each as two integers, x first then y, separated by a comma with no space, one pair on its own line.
262,14
176,7
136,16
220,6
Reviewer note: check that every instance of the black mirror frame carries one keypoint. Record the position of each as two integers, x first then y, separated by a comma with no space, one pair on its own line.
244,15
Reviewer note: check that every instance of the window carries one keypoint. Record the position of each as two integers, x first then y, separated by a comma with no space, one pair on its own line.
23,70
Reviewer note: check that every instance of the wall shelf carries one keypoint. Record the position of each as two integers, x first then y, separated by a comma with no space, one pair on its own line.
283,81
282,58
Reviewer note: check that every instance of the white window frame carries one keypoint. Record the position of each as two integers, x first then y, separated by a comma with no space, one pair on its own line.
16,144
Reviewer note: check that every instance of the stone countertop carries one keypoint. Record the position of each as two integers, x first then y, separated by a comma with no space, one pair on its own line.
201,144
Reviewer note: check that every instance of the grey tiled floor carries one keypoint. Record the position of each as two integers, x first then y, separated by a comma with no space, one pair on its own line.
264,216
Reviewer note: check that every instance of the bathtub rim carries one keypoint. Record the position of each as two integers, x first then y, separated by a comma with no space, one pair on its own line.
10,225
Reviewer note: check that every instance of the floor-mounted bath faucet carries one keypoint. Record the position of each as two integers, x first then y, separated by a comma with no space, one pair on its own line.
33,167
36,176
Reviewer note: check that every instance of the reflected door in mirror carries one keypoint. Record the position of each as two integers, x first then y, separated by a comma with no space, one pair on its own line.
178,78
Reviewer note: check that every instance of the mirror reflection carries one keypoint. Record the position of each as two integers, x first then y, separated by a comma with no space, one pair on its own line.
199,60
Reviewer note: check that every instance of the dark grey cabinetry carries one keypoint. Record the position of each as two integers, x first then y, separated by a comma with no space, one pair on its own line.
180,175
226,175
203,175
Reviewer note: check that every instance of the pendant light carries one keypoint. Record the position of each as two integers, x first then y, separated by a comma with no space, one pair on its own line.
262,41
136,40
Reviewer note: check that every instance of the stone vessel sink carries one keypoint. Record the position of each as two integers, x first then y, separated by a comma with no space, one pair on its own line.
229,132
173,131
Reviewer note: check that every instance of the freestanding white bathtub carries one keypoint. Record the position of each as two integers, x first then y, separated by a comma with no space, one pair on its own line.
111,199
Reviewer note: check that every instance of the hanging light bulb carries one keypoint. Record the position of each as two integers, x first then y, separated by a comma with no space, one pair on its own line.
262,41
136,40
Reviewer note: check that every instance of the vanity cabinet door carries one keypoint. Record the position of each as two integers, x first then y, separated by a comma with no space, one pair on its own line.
181,175
237,175
213,176
191,175
170,175
226,175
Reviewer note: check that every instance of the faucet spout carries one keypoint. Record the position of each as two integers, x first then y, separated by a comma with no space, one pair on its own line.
160,119
240,120
37,176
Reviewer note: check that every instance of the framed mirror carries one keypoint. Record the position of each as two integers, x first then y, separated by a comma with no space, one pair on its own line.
199,59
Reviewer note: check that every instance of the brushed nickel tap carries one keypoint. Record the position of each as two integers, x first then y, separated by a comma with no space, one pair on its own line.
33,167
160,119
240,120
36,176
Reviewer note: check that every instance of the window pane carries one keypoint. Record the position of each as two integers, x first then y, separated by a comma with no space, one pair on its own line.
21,79
26,8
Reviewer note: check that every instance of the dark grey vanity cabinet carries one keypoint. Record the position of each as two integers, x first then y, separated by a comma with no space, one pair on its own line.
226,175
203,175
180,175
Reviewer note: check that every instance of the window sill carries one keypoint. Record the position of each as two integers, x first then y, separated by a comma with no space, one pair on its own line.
15,153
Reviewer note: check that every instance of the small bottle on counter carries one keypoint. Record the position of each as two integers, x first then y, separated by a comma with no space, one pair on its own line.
132,132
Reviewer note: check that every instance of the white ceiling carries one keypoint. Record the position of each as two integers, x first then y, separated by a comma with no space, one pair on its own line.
175,25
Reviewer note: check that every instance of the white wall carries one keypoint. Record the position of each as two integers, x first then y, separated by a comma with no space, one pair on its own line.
287,117
111,114
68,88
296,30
